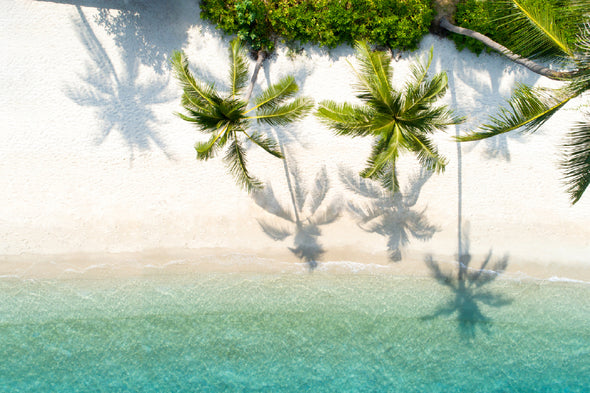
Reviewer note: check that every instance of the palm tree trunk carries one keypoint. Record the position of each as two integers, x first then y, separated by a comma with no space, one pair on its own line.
531,65
261,55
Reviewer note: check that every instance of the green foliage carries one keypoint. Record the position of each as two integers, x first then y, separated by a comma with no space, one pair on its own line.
398,24
557,31
398,120
248,19
225,117
495,19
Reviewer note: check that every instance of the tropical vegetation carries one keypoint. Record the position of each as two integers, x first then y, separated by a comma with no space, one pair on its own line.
398,120
228,117
396,24
491,18
544,30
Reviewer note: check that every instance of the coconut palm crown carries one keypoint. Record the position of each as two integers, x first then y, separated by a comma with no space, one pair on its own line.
228,118
537,32
398,120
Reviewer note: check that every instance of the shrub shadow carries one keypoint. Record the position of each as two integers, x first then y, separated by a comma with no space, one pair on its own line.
468,288
391,216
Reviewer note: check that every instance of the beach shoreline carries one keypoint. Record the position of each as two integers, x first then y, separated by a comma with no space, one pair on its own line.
165,263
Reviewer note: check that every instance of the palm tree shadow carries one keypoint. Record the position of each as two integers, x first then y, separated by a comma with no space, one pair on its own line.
499,146
391,216
122,102
303,219
150,29
484,77
469,292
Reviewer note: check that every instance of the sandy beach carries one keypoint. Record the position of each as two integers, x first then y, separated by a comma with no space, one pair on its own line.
98,177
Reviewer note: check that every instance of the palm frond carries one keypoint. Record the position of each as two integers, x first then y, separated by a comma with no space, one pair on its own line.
346,119
268,144
206,150
276,94
381,164
236,160
428,154
420,70
577,163
199,94
583,46
284,114
528,108
374,76
388,177
536,29
381,151
419,95
204,120
238,71
429,119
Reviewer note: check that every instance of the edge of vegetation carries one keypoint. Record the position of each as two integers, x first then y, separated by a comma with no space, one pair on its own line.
396,24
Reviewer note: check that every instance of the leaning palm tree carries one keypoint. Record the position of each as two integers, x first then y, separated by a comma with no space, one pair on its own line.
398,120
228,117
538,32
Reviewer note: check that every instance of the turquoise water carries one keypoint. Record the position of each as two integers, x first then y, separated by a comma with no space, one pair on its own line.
293,333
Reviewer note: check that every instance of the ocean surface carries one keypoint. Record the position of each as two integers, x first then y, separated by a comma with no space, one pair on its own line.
316,332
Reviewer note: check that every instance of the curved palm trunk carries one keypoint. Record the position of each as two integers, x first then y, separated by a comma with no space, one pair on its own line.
531,65
261,56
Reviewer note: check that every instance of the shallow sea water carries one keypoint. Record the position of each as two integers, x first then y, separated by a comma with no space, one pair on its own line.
293,332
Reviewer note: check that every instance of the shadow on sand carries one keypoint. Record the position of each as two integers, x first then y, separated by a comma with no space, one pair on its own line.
468,287
122,102
392,216
305,215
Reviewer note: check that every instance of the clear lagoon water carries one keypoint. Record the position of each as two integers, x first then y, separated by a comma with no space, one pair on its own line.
319,332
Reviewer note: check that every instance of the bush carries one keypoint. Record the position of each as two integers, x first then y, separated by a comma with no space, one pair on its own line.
398,24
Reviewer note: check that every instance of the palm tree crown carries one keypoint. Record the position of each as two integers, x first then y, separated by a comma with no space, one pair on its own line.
399,120
537,32
227,118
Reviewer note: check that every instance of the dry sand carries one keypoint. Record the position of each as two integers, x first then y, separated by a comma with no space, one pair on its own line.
98,175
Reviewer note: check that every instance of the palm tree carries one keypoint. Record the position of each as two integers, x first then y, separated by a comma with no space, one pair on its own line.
227,118
538,33
398,120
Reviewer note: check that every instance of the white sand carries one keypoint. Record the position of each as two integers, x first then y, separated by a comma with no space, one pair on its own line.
95,166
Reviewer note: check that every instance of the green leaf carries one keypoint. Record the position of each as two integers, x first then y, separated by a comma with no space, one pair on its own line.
345,118
206,150
528,108
428,154
284,114
236,160
238,71
576,164
266,143
200,95
545,28
276,94
375,74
